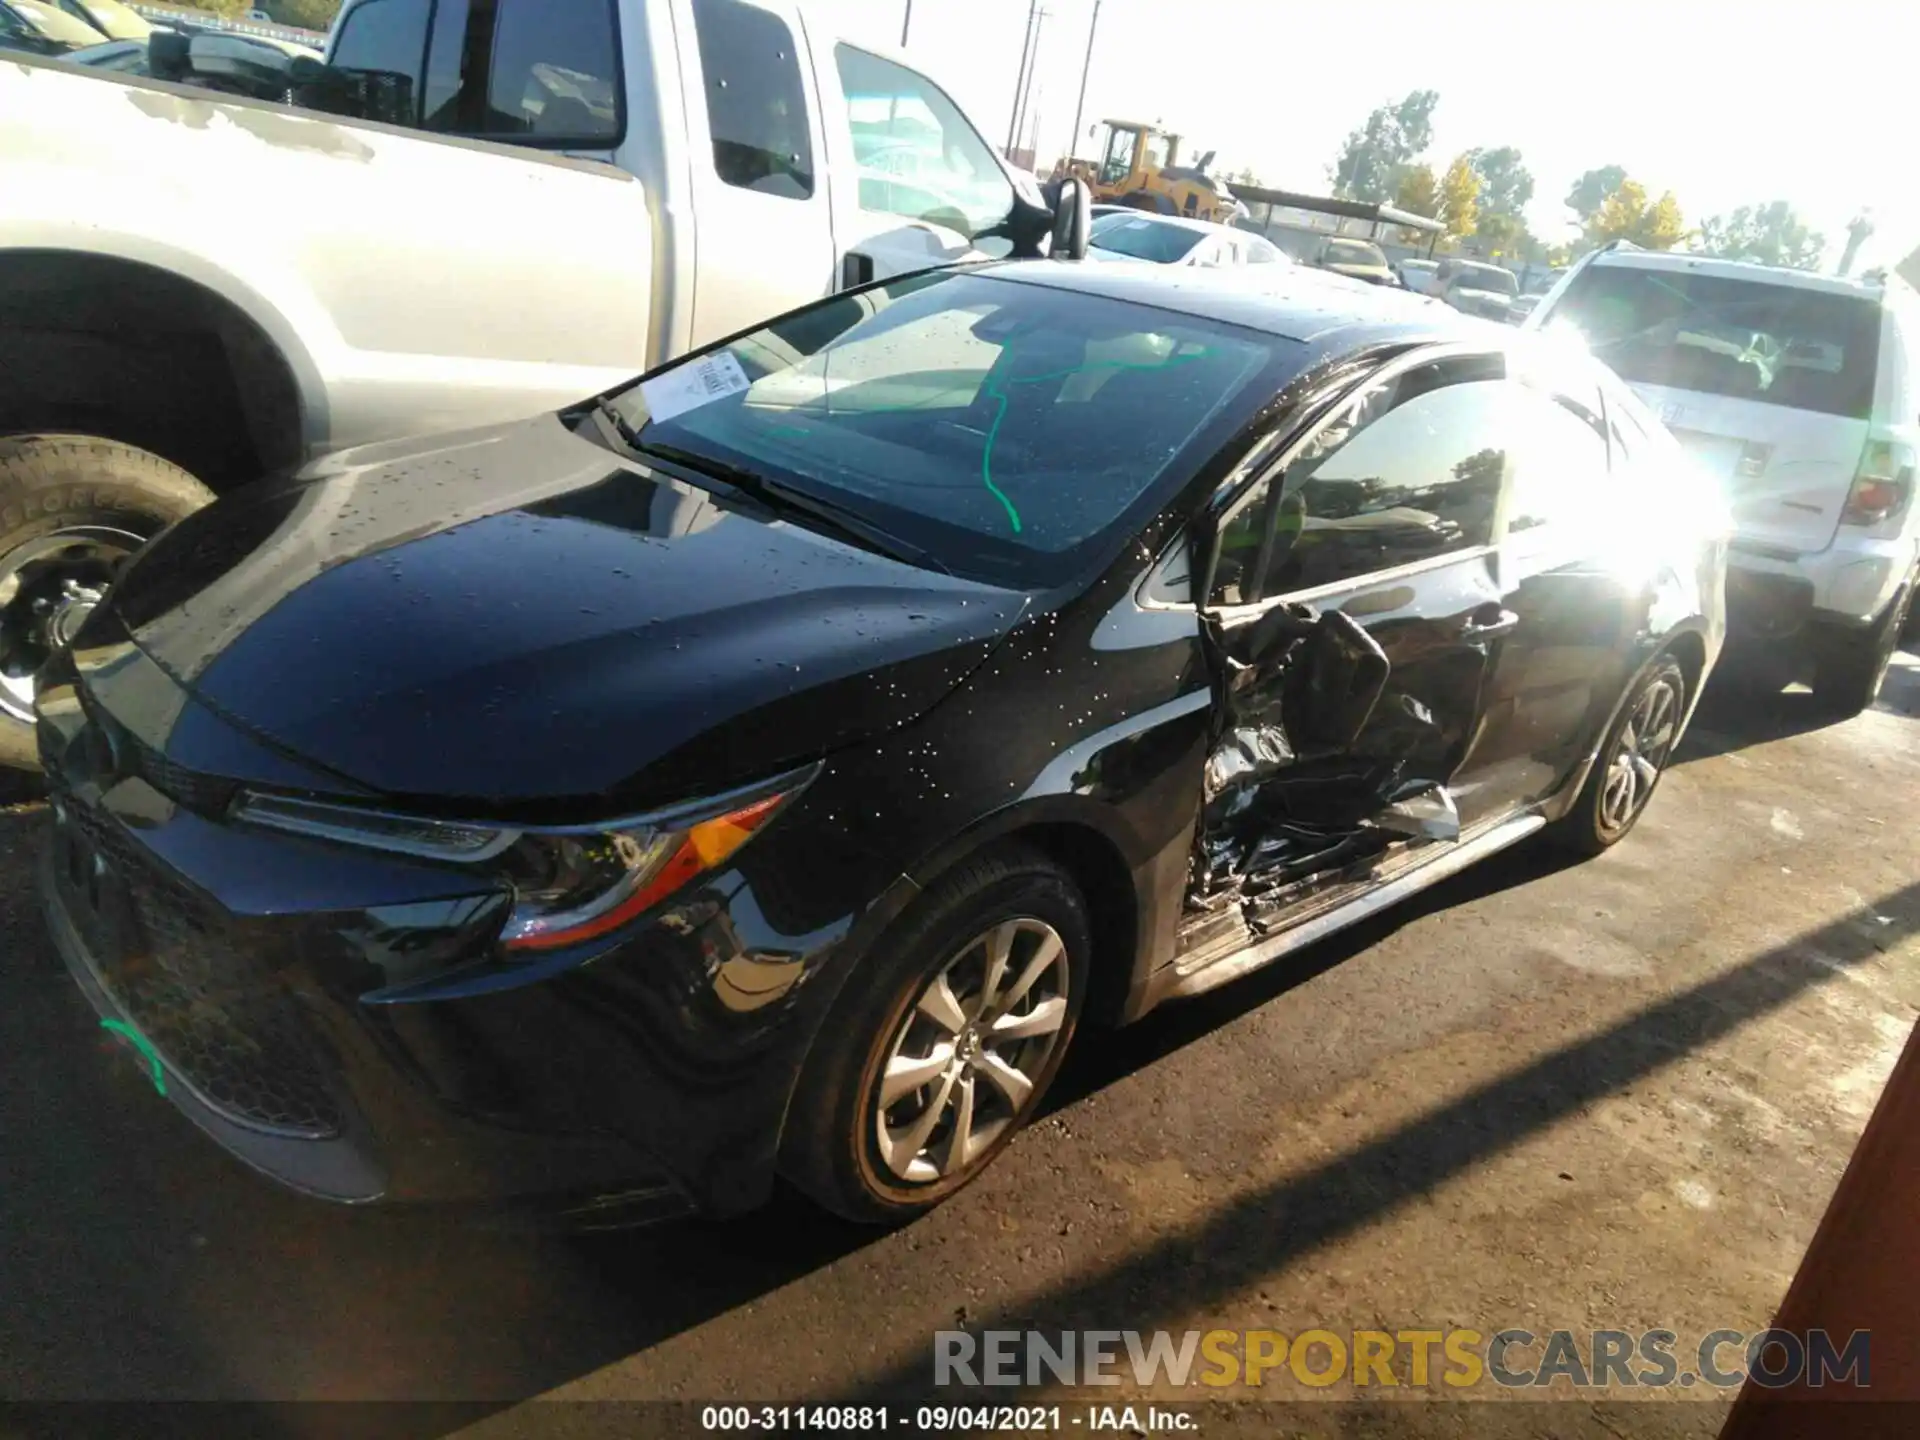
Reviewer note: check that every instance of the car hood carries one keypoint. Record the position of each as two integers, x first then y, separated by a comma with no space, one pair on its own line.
1379,274
518,618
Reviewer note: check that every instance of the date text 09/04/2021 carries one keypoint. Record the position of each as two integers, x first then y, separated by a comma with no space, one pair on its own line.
948,1419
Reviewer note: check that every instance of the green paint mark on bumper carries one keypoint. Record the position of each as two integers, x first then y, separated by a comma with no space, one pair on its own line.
144,1046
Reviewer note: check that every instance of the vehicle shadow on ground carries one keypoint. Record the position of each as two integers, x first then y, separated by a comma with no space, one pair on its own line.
1733,716
1213,1259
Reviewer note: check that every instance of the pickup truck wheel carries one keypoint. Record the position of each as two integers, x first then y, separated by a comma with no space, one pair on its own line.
946,1043
72,509
1849,669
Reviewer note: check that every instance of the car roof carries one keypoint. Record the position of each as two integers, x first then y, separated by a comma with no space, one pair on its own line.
1670,263
1181,222
1293,302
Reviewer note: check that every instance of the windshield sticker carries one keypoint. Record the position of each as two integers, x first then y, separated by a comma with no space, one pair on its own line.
688,387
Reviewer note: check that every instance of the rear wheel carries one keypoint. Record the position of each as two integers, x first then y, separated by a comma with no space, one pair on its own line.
73,508
1850,668
1631,761
933,1059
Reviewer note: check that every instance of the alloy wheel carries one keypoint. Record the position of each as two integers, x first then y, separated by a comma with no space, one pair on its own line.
966,1062
1639,754
48,586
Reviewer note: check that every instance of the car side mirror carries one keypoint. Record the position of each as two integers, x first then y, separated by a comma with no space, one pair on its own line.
1072,217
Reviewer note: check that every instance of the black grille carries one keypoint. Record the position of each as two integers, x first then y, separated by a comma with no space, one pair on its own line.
207,1000
207,794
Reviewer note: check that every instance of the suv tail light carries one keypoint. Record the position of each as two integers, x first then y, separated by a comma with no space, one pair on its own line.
1882,485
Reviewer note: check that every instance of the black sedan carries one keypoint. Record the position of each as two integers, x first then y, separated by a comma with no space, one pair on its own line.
769,767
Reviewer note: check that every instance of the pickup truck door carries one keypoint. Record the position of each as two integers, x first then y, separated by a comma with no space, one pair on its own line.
763,207
913,181
1353,612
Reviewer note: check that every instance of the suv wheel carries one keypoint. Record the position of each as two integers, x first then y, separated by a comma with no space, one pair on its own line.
1849,668
945,1045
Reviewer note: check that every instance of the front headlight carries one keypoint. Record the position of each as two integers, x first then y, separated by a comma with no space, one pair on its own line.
570,885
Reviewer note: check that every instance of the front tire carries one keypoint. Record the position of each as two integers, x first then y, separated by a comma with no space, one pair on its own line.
1631,761
945,1043
73,508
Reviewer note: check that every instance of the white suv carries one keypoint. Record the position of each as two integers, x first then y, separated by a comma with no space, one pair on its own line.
1801,393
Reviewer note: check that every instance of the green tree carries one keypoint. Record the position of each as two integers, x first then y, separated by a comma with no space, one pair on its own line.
1625,214
1418,193
1591,190
1771,234
1371,159
1459,198
1506,185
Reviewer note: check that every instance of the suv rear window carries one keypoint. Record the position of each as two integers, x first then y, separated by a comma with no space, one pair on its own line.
1748,339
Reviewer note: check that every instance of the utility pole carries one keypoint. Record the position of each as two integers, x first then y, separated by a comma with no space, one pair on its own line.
906,24
1033,70
1020,81
1079,109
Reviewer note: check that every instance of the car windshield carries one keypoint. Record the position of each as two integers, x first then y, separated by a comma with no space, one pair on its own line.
56,25
116,21
1013,432
1143,239
1749,339
1488,277
1354,252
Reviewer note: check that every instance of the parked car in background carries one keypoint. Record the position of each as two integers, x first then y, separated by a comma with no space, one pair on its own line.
771,767
1356,259
37,27
1522,306
192,299
1800,393
1474,288
1417,275
232,64
111,18
1176,240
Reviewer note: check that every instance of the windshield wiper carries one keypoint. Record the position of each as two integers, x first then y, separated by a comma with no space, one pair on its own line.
844,521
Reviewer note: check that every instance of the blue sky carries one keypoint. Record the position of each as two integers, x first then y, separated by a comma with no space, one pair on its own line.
1725,104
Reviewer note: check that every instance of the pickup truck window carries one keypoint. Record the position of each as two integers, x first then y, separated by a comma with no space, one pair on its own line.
544,72
554,72
756,106
917,155
386,37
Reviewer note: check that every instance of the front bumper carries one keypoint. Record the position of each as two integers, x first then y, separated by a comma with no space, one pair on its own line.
339,1020
262,1052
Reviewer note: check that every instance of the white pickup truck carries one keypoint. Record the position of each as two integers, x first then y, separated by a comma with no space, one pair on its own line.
198,290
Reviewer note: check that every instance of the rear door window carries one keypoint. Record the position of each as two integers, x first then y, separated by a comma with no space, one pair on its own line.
381,49
533,72
1776,344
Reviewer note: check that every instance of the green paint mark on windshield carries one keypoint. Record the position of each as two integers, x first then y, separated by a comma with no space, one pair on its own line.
140,1043
992,388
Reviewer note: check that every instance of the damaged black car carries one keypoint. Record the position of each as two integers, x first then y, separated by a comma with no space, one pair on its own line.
771,768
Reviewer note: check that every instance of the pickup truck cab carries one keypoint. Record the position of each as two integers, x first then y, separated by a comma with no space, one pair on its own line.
472,213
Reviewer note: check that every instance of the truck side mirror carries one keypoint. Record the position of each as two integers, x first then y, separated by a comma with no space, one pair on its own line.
1072,215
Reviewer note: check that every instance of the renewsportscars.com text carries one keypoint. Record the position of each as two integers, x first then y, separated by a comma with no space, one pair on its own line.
1452,1359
